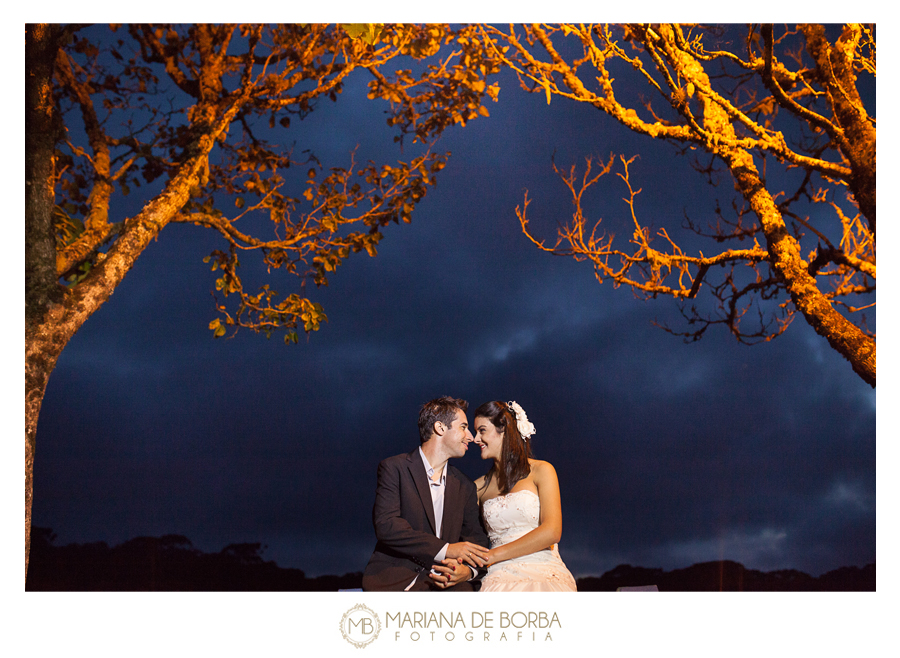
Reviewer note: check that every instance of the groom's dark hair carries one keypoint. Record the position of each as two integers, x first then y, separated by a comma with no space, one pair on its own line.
440,410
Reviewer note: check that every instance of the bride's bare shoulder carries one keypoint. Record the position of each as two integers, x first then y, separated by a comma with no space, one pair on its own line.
541,470
540,465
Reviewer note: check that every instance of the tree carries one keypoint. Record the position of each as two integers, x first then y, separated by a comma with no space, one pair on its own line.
781,112
193,118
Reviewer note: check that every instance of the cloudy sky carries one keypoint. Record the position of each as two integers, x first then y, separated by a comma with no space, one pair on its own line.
668,453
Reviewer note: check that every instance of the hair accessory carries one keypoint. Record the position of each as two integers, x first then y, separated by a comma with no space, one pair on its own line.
526,428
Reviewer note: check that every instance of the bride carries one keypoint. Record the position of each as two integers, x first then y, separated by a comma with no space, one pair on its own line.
519,497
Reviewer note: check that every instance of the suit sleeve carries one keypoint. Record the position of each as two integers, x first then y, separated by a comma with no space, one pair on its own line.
394,531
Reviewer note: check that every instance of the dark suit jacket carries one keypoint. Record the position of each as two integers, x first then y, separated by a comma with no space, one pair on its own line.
405,528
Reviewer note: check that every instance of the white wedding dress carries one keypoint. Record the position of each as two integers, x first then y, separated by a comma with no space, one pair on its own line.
507,518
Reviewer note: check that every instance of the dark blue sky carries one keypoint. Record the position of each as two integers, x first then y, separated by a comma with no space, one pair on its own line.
667,453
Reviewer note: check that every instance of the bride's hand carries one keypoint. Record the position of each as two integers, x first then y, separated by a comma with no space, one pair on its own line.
487,557
466,551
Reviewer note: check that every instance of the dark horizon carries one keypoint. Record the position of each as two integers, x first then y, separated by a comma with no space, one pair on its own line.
172,563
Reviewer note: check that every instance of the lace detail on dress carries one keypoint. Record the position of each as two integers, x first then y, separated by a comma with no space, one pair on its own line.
508,517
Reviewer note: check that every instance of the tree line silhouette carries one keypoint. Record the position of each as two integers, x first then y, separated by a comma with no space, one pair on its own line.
168,563
172,563
729,576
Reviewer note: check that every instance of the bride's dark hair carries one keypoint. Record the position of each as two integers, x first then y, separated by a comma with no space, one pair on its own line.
515,451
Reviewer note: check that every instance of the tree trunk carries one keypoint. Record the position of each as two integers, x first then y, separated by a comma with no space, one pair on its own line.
785,257
835,72
41,287
784,251
54,313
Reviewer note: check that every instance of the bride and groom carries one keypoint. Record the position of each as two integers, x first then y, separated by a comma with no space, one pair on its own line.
430,519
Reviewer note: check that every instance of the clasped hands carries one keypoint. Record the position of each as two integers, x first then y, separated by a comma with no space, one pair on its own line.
454,568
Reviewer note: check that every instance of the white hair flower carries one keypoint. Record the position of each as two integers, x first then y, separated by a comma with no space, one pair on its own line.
526,428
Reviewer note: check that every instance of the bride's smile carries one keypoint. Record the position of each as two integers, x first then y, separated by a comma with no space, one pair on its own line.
488,438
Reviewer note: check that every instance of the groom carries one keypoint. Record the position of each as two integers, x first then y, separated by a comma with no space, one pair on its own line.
426,511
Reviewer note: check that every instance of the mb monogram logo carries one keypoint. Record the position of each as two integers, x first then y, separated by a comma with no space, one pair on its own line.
360,626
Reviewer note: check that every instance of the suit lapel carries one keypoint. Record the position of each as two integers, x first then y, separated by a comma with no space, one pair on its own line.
417,470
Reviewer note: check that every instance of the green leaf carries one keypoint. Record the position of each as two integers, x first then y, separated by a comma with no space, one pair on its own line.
368,32
355,30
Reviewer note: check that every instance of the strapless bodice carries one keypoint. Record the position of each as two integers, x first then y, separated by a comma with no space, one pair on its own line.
507,518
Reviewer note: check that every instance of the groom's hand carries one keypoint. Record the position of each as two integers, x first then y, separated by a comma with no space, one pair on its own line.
468,552
449,573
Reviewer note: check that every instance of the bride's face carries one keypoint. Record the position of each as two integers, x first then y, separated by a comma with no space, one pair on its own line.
488,438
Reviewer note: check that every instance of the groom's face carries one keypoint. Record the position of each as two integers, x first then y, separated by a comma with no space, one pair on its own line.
457,437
